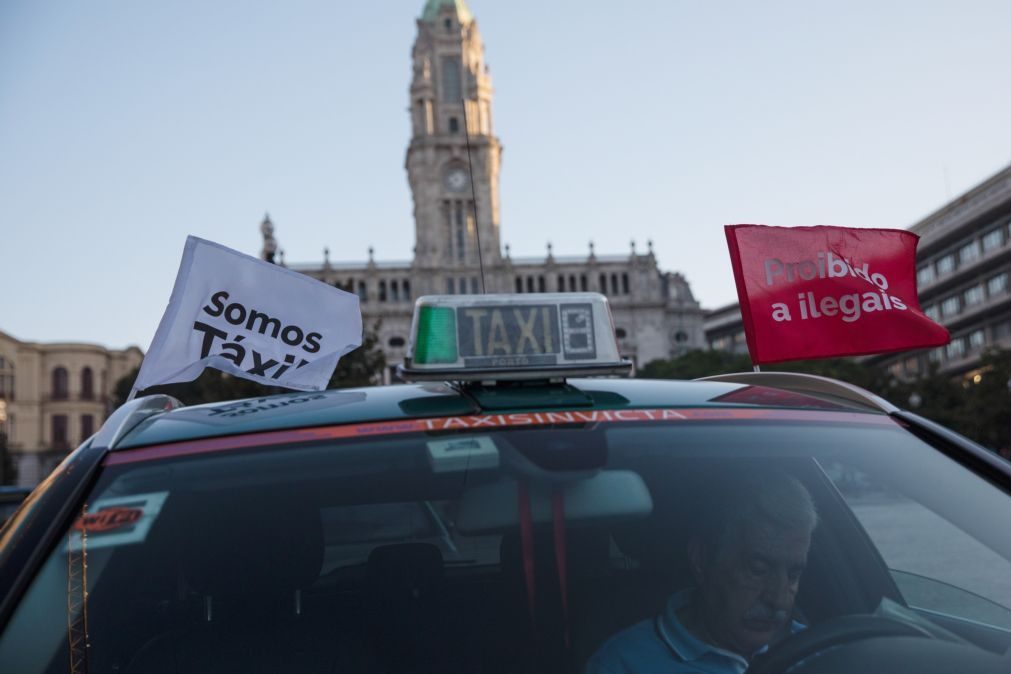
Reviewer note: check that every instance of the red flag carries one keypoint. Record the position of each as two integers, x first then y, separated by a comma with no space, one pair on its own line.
819,292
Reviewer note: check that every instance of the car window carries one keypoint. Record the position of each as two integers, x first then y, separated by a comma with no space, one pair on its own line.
512,549
903,529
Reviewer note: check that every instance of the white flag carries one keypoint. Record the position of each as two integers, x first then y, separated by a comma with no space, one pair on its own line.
251,319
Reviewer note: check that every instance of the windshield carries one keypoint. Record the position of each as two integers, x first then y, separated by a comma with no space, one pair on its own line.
501,550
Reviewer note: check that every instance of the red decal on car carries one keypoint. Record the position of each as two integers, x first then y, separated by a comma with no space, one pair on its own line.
484,421
107,520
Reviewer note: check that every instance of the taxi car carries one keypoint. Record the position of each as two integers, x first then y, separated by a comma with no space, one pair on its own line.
508,511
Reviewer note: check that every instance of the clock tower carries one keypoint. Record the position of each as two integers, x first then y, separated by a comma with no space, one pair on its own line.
451,88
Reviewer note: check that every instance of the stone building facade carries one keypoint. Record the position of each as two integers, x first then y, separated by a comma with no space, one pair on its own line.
457,216
55,396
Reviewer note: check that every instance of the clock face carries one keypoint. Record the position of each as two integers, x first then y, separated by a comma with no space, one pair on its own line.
456,180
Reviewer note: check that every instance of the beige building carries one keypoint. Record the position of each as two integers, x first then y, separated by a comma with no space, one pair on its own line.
457,216
54,396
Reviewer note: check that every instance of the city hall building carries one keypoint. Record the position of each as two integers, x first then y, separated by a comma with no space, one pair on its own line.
457,217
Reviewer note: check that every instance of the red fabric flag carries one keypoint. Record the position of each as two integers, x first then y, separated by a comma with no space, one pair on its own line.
819,292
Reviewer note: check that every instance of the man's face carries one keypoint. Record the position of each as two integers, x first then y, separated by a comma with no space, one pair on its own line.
748,588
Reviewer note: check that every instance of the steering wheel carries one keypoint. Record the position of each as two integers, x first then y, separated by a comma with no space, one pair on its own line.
831,633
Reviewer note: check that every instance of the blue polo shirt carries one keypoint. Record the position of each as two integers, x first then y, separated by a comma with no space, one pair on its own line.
663,644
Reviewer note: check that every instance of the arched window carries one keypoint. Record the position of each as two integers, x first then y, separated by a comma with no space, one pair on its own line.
60,388
519,284
602,280
583,285
407,290
382,291
614,283
363,293
530,284
394,291
87,385
561,283
454,125
451,84
624,283
540,284
396,342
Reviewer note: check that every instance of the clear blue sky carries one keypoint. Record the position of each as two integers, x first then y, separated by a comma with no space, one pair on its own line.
126,125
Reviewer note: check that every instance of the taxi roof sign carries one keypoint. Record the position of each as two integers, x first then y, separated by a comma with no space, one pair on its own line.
511,337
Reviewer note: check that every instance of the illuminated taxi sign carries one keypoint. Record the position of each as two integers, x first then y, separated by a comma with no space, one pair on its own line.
512,337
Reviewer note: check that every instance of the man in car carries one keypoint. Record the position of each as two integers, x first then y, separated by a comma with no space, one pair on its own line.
746,562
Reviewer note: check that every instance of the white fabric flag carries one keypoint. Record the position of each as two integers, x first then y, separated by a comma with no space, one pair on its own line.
251,319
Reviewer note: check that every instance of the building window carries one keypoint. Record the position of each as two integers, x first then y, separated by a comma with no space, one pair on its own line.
87,426
363,293
931,312
382,291
519,284
6,379
955,349
60,389
973,295
950,307
540,284
614,283
394,291
946,264
561,283
620,333
968,253
924,275
530,284
997,285
602,280
582,282
407,290
977,339
87,385
993,239
450,287
473,285
572,283
396,342
451,89
624,284
680,337
448,23
59,438
461,235
912,365
454,125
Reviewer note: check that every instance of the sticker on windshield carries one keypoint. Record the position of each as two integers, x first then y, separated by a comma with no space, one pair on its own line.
113,522
456,454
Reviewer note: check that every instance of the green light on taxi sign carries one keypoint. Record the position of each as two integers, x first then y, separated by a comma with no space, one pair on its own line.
436,337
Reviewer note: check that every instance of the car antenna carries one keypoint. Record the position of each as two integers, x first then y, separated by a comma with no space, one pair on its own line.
473,194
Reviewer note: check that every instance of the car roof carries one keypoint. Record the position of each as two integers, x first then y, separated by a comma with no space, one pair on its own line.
416,401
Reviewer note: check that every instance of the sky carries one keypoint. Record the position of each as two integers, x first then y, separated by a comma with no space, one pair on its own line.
126,125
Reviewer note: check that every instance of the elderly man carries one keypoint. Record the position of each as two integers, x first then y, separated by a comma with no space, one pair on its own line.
746,563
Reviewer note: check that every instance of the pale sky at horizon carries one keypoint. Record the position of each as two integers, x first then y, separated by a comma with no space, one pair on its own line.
125,126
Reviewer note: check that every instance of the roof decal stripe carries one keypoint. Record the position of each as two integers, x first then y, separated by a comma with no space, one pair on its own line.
484,421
